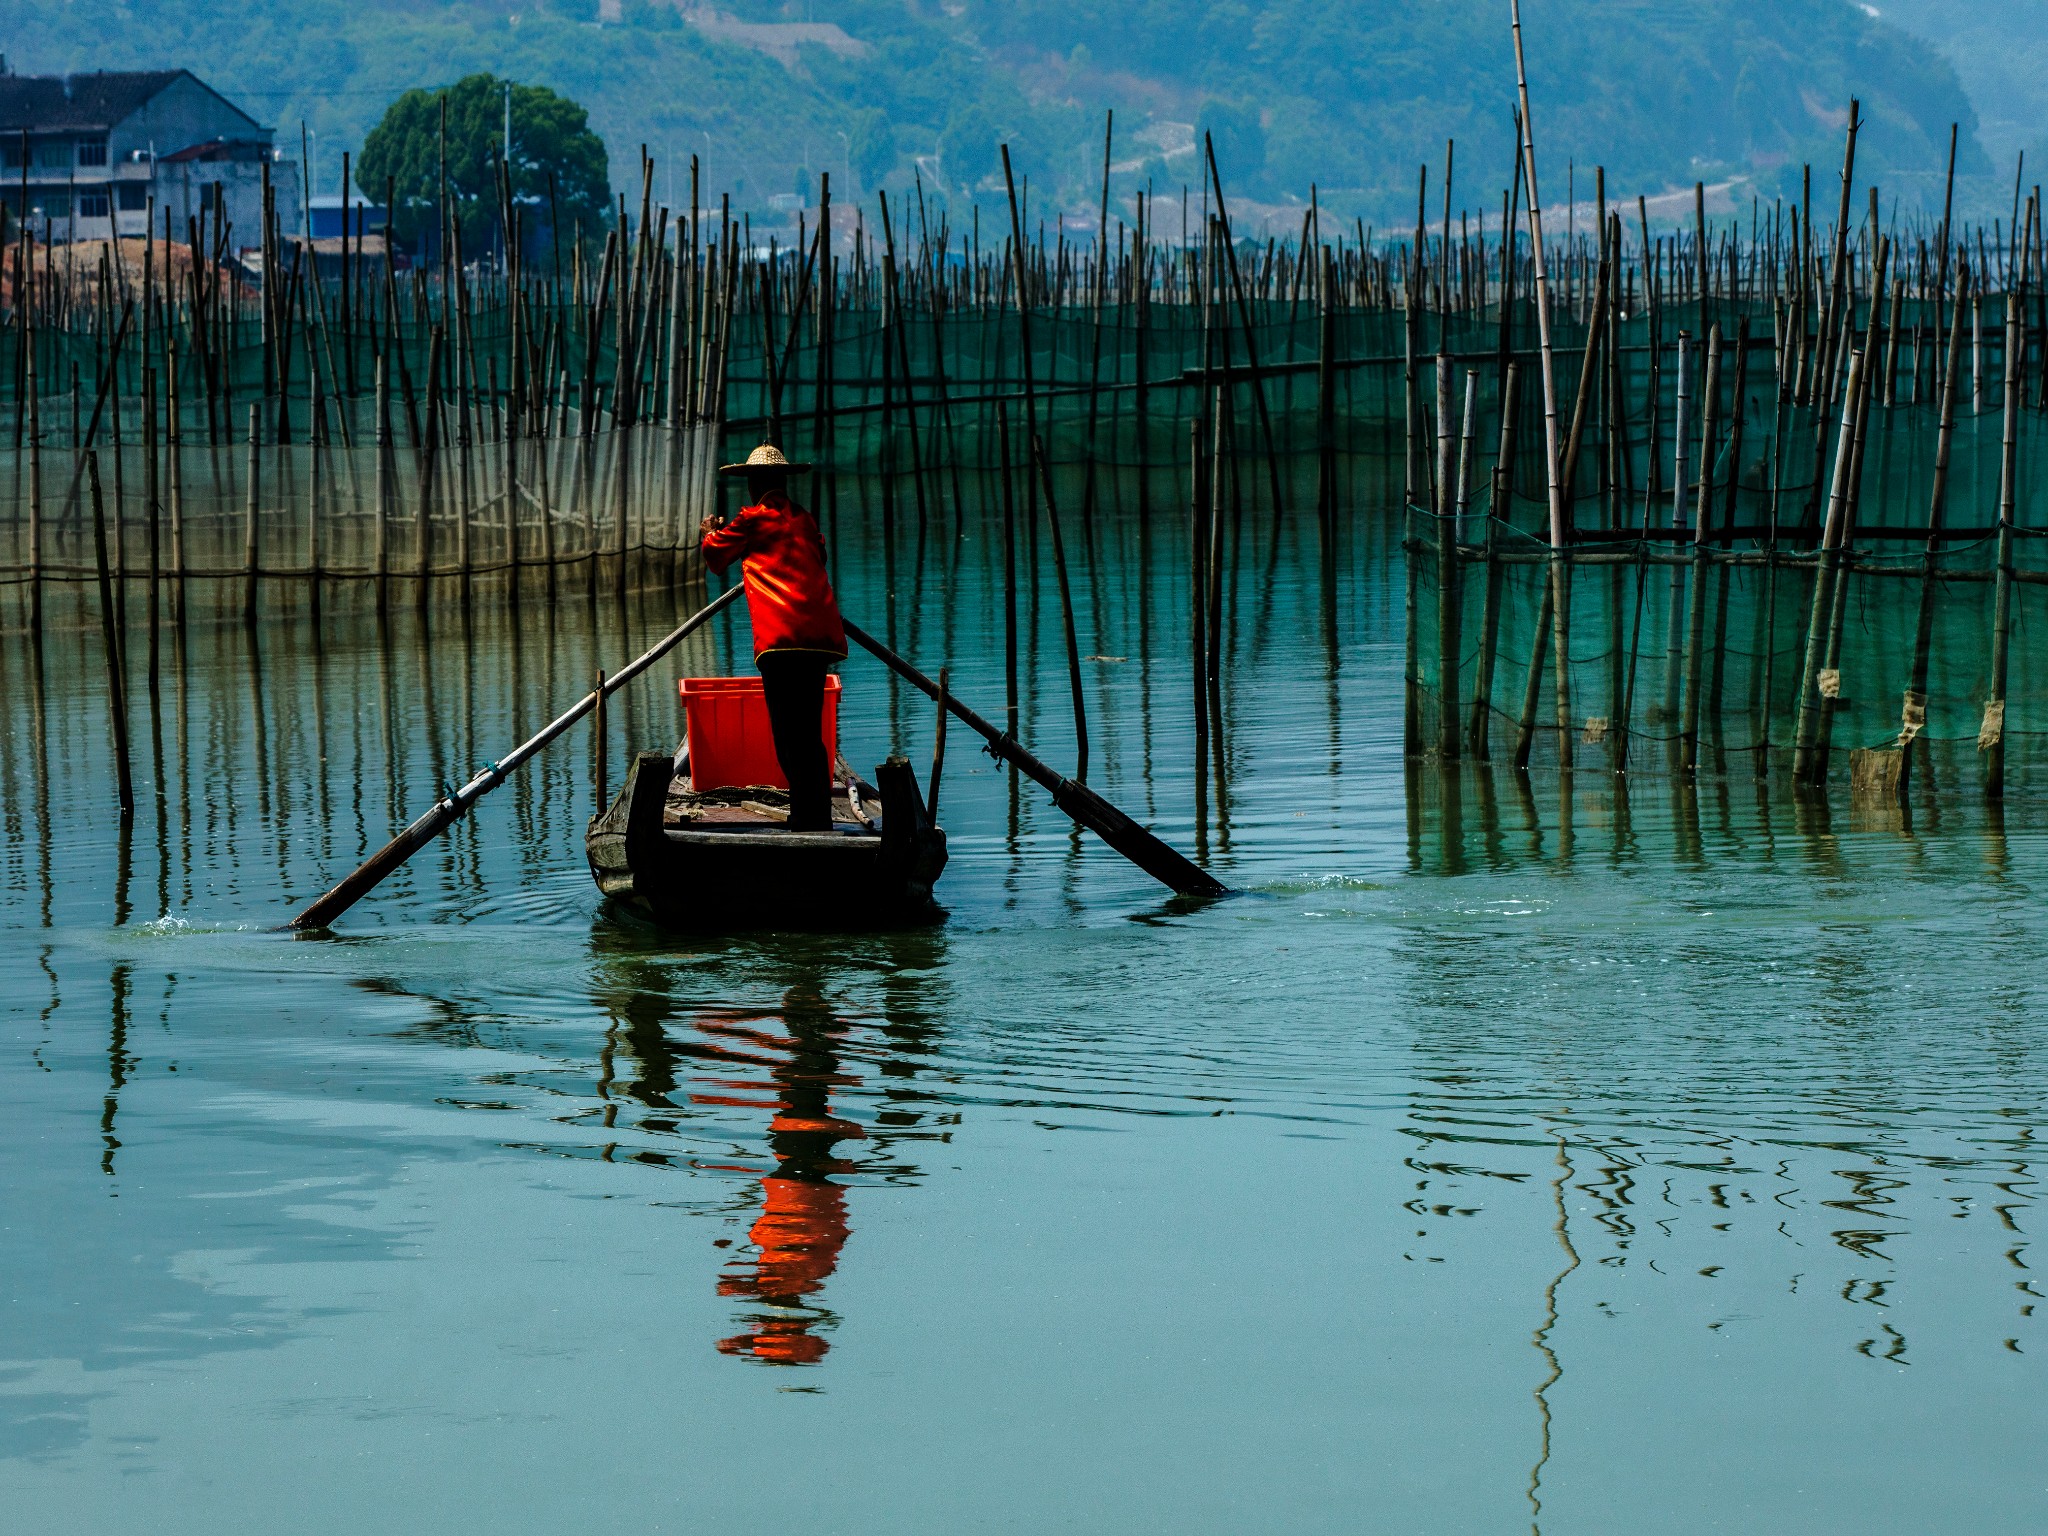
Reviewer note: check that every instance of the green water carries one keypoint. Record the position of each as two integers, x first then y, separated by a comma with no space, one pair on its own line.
1500,1156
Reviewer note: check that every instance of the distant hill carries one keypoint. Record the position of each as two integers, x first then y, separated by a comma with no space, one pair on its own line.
1999,49
1350,95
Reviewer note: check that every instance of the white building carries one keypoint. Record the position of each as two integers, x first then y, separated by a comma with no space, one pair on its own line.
88,156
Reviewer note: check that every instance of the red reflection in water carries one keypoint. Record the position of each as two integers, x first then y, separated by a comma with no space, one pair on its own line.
799,1234
802,1227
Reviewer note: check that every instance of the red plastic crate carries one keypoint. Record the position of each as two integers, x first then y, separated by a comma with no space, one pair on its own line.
726,731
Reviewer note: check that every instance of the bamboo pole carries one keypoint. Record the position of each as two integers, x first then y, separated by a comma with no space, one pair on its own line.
1009,572
35,501
1201,513
1251,341
1448,573
1532,682
250,518
151,495
1991,734
1832,667
1044,474
429,469
1560,555
1326,402
117,687
316,452
1913,709
1696,609
174,463
1807,763
1681,485
1066,592
600,746
1411,676
380,510
1479,733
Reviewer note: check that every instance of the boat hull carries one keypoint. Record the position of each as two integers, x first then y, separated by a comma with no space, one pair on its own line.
769,879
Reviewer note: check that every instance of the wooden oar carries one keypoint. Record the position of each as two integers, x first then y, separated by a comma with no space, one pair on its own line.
451,808
1163,863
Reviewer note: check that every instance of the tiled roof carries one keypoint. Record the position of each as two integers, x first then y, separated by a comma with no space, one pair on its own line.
42,103
219,149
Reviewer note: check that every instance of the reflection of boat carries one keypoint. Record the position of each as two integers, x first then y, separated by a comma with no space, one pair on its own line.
706,849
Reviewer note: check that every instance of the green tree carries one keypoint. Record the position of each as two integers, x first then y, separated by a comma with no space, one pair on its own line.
653,15
969,146
551,137
1239,138
872,148
1029,162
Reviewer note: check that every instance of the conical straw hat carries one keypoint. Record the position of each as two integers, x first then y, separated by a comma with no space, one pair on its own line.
767,456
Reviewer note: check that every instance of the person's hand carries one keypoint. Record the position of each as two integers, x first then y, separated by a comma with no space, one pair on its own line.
709,526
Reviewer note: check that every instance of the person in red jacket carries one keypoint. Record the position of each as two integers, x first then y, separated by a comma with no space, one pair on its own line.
797,630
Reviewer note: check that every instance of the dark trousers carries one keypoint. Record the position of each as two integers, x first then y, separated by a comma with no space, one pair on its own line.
793,683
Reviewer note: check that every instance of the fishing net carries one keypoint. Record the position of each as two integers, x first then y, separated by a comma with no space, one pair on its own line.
1680,648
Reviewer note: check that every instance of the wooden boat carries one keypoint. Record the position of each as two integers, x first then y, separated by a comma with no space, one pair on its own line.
721,860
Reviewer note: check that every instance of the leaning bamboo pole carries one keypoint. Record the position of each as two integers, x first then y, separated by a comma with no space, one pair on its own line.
1560,570
1807,761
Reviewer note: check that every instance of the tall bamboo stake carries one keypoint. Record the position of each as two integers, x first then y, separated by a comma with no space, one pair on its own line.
1991,735
117,687
1560,573
1696,615
250,518
1913,709
1806,758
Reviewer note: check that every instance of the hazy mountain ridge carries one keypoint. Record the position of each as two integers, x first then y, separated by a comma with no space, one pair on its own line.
1350,97
2000,53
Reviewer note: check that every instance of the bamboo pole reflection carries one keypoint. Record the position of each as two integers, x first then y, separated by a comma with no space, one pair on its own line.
119,1064
1541,1338
39,729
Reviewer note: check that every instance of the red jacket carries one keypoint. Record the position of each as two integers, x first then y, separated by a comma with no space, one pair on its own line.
789,597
